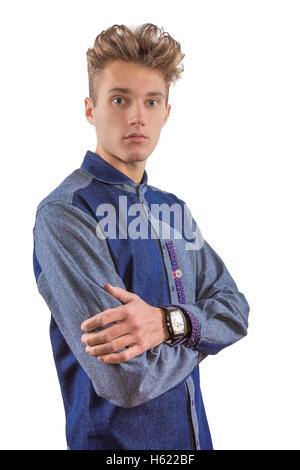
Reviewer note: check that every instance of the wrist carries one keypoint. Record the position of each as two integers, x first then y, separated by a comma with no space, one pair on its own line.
162,322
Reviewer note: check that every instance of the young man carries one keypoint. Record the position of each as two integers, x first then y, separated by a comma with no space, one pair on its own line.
137,298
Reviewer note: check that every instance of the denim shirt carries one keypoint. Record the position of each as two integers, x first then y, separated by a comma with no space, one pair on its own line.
152,401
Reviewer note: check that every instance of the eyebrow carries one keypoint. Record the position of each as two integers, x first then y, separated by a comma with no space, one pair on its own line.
127,91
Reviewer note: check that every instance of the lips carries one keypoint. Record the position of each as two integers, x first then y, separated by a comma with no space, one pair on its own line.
136,138
135,135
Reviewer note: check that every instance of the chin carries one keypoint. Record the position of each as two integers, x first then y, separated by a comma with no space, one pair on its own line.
135,158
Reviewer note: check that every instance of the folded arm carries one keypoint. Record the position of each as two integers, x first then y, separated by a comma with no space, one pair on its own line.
220,313
75,264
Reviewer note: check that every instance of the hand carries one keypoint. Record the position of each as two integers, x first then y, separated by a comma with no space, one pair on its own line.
139,327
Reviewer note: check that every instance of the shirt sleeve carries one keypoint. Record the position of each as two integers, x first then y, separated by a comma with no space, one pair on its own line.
219,316
73,266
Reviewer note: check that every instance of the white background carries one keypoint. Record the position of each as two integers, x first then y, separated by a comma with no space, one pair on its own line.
230,149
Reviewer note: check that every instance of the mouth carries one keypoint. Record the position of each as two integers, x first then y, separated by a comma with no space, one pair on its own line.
136,138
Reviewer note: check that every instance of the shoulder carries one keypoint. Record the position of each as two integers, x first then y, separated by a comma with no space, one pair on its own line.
58,210
64,192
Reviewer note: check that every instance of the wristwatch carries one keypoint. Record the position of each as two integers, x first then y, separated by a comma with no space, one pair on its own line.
176,323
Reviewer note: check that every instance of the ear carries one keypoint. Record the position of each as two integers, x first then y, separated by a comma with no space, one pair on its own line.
167,114
89,110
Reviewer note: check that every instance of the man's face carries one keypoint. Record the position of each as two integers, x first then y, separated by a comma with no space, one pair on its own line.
118,114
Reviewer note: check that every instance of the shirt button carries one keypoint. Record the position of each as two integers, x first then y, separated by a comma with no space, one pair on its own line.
173,288
178,273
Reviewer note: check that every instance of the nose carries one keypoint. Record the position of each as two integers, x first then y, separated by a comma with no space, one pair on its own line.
136,115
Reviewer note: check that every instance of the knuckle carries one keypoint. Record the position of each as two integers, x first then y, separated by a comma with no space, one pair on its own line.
105,337
139,336
91,350
142,344
126,309
121,356
89,340
127,355
111,348
134,322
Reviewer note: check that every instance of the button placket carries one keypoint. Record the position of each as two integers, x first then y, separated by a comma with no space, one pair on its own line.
166,258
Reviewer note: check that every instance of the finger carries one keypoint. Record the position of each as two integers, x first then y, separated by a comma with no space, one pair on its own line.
123,356
111,347
105,336
122,295
103,318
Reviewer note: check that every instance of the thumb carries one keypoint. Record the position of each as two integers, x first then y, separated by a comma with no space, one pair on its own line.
121,294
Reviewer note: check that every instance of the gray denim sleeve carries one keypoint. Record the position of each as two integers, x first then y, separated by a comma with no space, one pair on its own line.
75,265
220,308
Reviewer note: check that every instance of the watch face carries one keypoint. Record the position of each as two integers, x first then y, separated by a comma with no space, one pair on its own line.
177,322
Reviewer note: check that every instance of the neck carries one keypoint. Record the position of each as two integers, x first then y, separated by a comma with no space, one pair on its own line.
134,170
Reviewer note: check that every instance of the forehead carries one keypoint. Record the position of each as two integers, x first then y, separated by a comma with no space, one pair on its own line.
135,77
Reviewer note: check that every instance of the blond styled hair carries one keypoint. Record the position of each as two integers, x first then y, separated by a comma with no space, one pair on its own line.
146,45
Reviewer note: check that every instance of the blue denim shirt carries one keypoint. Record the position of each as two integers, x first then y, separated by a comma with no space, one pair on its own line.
153,401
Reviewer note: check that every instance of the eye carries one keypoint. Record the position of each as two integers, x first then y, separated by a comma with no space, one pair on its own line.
153,101
118,98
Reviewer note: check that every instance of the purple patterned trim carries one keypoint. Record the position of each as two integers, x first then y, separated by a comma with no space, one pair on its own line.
176,272
194,338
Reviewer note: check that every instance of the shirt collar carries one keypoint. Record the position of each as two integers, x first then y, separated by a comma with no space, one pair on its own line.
103,171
